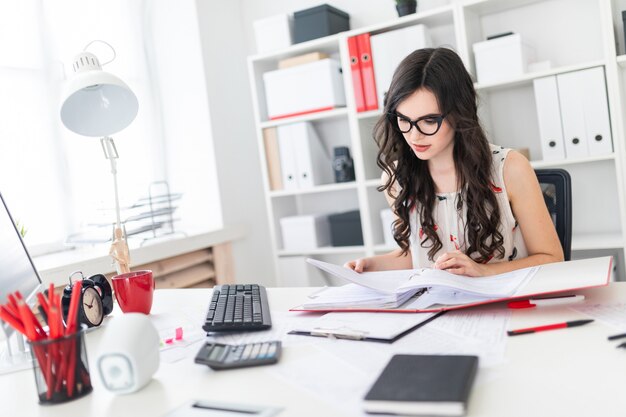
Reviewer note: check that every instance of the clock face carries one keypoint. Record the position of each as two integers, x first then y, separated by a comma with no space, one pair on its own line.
92,307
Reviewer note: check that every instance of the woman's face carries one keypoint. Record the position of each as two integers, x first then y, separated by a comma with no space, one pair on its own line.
419,105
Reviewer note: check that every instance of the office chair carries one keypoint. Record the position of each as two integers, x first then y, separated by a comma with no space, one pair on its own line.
556,186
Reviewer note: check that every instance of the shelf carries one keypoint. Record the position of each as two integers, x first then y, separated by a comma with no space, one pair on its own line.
432,17
562,162
484,7
591,241
327,44
318,189
528,78
621,60
327,250
369,114
329,114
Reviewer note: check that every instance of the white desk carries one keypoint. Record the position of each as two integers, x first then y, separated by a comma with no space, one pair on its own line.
570,372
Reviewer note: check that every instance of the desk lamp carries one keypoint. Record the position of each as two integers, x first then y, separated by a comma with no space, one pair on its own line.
98,104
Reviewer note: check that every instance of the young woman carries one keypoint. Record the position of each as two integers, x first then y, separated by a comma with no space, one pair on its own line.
462,204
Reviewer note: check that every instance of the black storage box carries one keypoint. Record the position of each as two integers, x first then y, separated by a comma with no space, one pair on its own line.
345,229
318,22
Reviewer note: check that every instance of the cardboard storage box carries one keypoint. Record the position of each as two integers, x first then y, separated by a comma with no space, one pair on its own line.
345,229
305,232
502,58
318,22
307,88
274,32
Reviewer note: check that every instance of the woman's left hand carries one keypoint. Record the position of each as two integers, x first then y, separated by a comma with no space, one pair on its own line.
460,264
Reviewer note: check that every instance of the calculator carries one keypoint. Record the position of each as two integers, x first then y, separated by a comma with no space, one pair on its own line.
222,356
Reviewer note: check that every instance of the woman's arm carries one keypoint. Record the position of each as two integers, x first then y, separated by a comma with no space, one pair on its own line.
388,261
529,208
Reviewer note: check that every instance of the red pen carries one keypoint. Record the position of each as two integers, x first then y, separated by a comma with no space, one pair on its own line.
545,301
548,327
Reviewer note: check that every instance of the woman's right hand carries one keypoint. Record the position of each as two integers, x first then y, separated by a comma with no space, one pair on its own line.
359,265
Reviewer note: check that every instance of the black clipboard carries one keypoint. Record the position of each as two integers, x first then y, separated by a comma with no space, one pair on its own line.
349,334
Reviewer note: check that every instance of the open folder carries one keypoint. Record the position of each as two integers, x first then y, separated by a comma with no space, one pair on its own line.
430,290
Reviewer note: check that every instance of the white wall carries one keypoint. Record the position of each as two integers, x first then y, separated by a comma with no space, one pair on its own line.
174,54
234,136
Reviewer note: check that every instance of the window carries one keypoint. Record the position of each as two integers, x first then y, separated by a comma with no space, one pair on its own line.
56,181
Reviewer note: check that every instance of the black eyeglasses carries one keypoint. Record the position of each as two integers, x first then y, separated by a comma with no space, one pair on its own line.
427,125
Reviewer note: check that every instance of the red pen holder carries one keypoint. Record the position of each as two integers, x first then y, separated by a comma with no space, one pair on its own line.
61,368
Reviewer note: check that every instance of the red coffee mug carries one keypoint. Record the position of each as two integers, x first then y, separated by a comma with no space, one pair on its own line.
133,291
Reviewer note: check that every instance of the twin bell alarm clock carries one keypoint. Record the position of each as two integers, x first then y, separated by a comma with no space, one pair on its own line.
96,299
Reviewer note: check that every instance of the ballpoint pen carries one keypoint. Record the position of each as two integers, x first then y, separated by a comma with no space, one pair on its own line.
617,336
555,326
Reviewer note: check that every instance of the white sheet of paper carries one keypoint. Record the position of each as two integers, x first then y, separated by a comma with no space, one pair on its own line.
166,324
613,314
332,379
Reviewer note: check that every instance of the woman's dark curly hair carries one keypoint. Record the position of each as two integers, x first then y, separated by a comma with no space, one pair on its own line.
441,72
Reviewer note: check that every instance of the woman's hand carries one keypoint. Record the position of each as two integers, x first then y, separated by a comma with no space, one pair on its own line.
392,260
359,265
460,264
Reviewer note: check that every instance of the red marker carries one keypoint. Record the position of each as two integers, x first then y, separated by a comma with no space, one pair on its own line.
548,327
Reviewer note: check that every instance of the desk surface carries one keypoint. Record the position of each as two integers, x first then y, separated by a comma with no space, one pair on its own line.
571,372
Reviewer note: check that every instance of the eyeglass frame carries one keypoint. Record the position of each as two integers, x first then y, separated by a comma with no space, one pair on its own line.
413,123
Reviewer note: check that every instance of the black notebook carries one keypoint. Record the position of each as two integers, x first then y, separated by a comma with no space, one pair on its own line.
436,385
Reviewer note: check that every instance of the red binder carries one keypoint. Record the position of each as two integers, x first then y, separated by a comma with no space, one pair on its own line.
355,66
550,279
367,72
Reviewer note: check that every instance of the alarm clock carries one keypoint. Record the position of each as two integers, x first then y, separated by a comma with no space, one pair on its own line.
96,299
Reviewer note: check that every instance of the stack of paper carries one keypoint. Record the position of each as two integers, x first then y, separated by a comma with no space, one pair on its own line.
353,295
412,289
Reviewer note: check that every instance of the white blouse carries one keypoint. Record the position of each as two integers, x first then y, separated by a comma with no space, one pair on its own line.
450,222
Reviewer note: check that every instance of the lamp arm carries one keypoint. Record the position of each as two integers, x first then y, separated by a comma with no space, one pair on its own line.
110,152
117,199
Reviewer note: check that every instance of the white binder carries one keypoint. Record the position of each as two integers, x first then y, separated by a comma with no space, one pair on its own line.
573,114
304,161
389,48
549,116
313,163
596,108
288,167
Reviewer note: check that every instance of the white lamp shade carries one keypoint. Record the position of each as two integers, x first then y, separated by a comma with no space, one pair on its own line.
97,103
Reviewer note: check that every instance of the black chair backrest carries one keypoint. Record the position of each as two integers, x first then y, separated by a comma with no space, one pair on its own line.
556,186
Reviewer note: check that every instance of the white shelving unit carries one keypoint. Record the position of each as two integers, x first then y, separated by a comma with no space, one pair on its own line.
572,34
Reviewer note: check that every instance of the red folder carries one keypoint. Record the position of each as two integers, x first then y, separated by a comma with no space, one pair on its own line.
551,278
367,72
355,66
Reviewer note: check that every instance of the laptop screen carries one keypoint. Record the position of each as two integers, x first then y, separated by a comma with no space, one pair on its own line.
17,271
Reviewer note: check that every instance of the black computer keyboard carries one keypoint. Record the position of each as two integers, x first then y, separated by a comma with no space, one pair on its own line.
238,307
